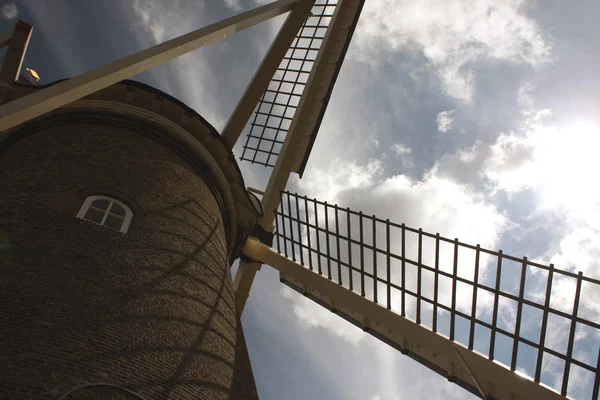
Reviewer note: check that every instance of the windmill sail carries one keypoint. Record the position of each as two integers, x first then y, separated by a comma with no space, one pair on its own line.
471,314
307,63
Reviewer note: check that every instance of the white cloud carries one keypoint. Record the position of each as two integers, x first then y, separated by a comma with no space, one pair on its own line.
233,5
441,202
401,149
465,166
197,77
148,13
558,161
312,315
190,75
404,153
342,175
525,98
9,11
580,251
453,36
375,142
435,203
444,120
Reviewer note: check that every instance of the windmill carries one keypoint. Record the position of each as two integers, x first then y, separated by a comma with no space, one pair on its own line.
358,266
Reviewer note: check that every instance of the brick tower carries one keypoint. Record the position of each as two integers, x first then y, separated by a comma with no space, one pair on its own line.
121,214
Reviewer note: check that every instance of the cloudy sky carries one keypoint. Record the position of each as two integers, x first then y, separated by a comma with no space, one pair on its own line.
475,119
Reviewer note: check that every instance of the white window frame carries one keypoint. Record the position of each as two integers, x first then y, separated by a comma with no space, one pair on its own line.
90,199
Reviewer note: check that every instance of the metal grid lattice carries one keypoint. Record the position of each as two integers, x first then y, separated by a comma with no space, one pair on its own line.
391,264
277,106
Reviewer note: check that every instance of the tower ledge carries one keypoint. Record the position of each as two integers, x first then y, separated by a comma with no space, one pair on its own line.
182,127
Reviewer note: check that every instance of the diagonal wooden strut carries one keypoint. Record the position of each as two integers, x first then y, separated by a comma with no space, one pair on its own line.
18,41
265,72
53,97
432,350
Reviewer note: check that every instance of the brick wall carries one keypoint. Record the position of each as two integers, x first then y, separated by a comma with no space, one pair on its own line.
152,310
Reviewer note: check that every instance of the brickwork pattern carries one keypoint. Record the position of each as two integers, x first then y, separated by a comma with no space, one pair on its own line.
152,310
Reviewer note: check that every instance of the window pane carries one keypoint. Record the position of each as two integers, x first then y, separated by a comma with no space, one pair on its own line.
94,215
102,204
117,210
113,221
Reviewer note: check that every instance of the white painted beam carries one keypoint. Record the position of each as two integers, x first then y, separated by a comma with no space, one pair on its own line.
55,96
18,42
468,367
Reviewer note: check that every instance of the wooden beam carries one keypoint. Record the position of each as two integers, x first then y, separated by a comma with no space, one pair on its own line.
243,283
433,350
17,47
265,72
53,97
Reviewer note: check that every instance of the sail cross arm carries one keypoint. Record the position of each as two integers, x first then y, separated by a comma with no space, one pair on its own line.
506,308
430,349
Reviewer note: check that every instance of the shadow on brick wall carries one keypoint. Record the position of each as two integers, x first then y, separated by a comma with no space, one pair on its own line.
171,333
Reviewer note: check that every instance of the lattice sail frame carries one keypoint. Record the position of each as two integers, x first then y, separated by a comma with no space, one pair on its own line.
278,105
362,257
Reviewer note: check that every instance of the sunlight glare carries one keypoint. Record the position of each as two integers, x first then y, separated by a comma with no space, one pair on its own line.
567,162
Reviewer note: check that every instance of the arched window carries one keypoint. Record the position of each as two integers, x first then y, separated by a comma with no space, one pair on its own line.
106,211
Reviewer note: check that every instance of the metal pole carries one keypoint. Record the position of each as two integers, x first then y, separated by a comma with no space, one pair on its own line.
53,97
